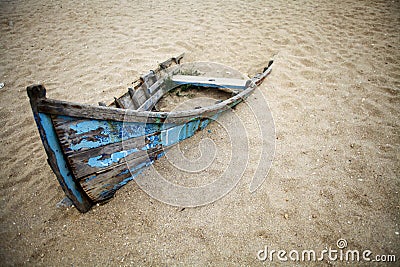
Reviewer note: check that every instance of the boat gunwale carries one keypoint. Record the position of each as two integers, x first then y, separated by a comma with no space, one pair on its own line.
49,106
79,110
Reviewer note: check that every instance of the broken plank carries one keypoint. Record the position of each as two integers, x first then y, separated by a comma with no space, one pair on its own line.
102,186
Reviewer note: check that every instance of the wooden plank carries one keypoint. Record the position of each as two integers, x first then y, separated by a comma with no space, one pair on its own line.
152,101
237,84
58,107
91,160
133,98
102,186
87,168
145,91
80,135
156,86
126,101
144,96
169,62
140,96
77,135
149,79
56,159
88,163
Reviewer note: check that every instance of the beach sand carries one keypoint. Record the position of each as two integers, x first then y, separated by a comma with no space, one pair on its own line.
333,93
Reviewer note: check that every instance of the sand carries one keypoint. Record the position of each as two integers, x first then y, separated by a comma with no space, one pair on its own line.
333,93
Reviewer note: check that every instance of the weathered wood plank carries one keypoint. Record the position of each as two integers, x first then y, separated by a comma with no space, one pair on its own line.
90,160
156,86
126,101
149,79
134,100
145,91
79,135
140,96
102,186
84,165
169,62
152,101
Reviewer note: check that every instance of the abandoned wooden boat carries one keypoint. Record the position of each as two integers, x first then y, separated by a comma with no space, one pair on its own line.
94,150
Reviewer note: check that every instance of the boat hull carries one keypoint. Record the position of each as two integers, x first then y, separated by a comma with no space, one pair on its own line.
95,150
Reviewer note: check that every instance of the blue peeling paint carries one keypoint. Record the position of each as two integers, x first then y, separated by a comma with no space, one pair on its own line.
109,132
152,142
164,139
85,144
114,158
54,145
170,136
174,135
204,124
87,126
